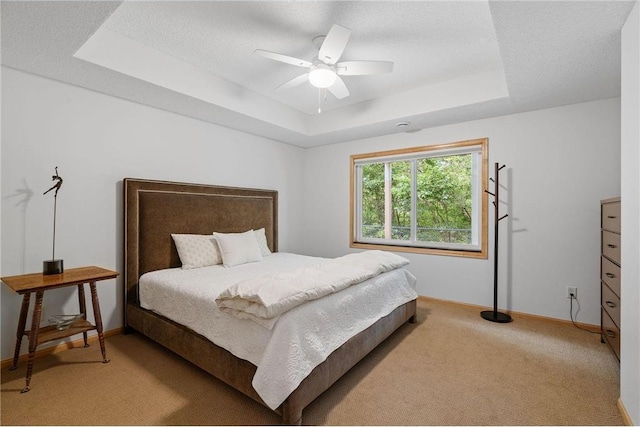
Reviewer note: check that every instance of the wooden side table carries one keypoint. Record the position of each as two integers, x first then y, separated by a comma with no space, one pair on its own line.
38,283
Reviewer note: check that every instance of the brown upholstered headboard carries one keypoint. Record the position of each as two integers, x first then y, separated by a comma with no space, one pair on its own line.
153,210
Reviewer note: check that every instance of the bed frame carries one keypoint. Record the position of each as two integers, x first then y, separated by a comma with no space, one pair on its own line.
155,209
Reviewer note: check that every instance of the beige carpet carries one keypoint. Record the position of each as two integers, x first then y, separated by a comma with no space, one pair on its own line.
451,368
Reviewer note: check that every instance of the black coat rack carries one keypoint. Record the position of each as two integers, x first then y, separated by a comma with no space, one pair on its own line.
494,315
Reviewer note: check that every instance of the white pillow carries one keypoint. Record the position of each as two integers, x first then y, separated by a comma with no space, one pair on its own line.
261,238
197,250
238,248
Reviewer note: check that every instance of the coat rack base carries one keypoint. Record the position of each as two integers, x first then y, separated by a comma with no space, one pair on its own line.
495,316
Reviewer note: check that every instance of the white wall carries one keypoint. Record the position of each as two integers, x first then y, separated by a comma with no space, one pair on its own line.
630,124
96,141
557,171
560,163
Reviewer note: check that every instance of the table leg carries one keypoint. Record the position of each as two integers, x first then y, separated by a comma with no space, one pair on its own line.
83,309
21,324
33,337
98,318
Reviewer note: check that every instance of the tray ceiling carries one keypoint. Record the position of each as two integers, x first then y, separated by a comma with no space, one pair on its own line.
453,61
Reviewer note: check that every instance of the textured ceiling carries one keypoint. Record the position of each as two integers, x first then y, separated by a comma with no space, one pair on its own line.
427,41
454,60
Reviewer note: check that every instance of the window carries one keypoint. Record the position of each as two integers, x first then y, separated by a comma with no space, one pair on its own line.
424,199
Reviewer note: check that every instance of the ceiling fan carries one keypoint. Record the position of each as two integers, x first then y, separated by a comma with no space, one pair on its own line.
325,70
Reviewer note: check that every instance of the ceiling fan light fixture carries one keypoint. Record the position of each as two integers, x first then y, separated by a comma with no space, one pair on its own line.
322,76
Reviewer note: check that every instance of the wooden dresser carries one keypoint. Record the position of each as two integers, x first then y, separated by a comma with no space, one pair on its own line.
610,273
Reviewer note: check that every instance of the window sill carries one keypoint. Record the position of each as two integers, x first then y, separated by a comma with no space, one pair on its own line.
427,251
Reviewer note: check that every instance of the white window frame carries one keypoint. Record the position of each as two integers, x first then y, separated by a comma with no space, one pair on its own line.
478,246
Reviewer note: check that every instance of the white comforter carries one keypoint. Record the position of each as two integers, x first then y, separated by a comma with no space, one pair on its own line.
264,298
302,338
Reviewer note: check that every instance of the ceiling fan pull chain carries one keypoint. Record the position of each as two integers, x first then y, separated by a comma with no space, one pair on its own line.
319,101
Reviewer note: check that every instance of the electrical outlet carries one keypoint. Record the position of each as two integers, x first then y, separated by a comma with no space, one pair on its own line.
572,291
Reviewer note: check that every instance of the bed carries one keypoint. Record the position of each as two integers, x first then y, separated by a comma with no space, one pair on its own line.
153,210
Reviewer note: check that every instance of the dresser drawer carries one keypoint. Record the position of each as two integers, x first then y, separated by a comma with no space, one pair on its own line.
610,274
611,246
611,333
611,216
611,304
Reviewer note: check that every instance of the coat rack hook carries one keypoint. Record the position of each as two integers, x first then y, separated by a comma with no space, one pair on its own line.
503,217
487,191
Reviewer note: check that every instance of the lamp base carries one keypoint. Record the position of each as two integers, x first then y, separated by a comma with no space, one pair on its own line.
54,266
496,316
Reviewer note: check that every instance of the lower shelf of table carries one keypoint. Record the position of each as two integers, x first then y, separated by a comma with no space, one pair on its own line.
50,333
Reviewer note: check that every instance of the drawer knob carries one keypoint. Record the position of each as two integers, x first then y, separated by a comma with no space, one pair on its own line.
610,275
612,246
610,333
611,304
611,216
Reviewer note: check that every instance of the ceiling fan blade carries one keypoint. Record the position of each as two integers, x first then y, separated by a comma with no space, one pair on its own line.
296,81
334,44
359,68
284,58
339,89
